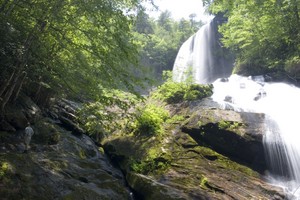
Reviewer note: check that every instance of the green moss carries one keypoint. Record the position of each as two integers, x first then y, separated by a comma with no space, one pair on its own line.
176,119
203,182
229,125
4,169
82,154
154,161
156,165
224,161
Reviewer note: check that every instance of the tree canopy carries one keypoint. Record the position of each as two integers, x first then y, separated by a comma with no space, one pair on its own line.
83,48
263,34
160,39
78,46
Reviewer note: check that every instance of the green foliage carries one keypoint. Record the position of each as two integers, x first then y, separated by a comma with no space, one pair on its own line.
264,35
5,167
73,46
96,117
229,125
203,182
292,66
148,166
150,119
174,92
159,40
154,161
176,119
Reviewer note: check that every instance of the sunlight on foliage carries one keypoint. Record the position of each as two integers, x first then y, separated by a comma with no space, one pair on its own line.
96,117
5,167
150,119
155,161
264,35
174,92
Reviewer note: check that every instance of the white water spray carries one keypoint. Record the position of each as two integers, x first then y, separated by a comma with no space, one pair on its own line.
195,59
281,104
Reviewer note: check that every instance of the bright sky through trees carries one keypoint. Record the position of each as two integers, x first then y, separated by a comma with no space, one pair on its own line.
181,8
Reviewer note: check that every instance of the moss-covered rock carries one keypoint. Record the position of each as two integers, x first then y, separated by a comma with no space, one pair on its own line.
237,135
205,153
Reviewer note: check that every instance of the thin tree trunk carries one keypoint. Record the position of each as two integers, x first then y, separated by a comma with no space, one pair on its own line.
9,92
23,76
6,84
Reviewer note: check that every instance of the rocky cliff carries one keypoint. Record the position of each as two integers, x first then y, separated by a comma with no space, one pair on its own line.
209,154
204,153
62,163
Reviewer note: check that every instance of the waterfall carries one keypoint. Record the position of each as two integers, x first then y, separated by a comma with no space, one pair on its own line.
280,103
200,59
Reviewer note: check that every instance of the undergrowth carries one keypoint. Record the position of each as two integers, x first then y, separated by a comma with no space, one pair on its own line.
174,92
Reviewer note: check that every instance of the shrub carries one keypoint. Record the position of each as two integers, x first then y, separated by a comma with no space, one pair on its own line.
148,166
173,92
150,120
292,66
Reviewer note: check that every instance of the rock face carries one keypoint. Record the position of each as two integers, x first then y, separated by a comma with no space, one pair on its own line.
206,153
211,154
235,135
71,168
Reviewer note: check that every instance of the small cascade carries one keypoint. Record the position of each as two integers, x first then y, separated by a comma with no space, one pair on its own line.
199,59
280,103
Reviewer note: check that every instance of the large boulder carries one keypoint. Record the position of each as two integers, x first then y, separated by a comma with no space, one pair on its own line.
17,116
234,134
209,154
71,168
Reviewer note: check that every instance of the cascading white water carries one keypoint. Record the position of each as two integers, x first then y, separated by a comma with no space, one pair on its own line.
281,104
194,59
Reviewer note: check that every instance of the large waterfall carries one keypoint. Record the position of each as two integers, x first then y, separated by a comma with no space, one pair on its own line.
200,58
279,101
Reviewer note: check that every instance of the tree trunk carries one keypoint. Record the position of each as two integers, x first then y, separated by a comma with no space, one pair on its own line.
6,84
21,81
9,92
37,94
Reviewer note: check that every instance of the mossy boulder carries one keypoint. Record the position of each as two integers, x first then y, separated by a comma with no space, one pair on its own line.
236,135
204,154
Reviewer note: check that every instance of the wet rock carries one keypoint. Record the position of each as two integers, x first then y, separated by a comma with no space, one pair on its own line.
224,80
228,99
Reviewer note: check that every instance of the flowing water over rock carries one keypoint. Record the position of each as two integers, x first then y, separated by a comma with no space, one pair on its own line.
280,103
196,62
